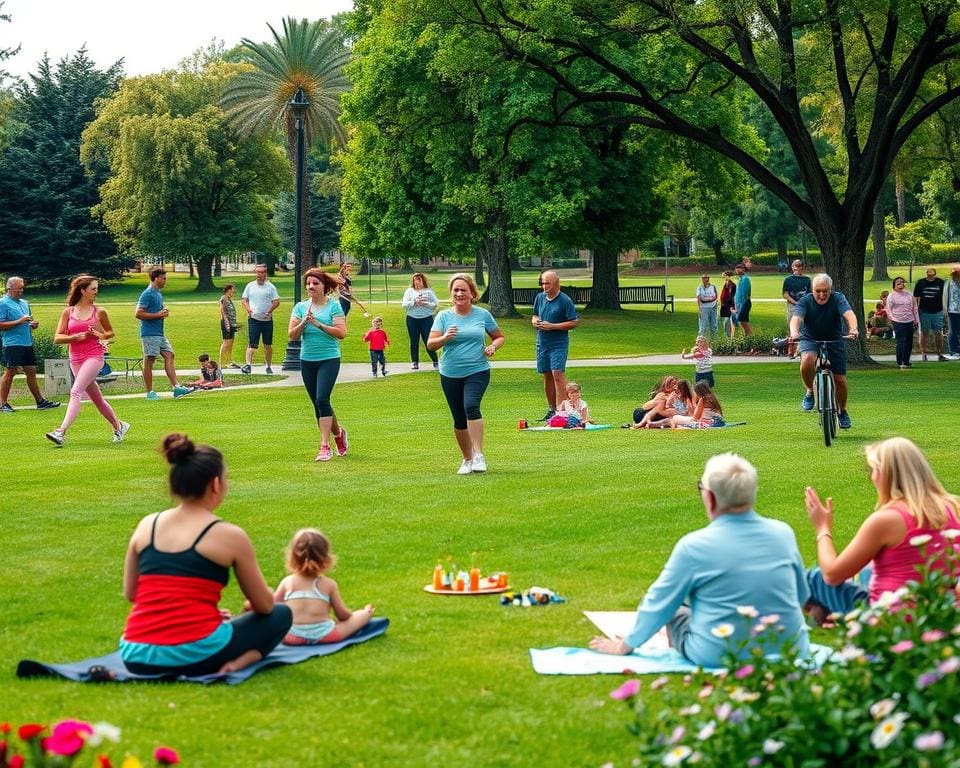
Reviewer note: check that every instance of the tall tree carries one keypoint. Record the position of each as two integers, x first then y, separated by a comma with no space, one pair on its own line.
6,52
182,183
47,230
672,62
308,55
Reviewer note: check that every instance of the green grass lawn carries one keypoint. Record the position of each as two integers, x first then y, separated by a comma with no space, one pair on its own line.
591,515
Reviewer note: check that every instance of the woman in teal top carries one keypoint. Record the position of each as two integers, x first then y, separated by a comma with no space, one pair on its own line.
464,365
318,323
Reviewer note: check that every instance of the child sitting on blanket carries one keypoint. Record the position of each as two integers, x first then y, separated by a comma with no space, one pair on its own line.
658,396
679,401
702,355
211,377
574,405
312,595
707,412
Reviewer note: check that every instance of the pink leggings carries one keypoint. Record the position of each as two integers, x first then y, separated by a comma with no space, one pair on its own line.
85,380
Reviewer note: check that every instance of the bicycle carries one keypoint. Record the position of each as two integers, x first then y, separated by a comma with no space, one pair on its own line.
825,391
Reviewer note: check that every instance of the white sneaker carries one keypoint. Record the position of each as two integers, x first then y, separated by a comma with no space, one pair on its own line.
56,437
479,463
119,434
466,467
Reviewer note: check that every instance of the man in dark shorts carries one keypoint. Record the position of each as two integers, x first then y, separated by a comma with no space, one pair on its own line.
554,316
260,299
16,327
822,313
795,287
928,293
742,298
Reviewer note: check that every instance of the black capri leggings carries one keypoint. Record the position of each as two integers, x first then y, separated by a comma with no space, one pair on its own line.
464,396
319,376
419,330
251,632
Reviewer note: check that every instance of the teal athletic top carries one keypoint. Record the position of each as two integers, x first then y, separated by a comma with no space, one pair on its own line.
315,344
463,354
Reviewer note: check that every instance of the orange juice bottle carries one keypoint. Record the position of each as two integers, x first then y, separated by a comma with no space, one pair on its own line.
474,579
438,577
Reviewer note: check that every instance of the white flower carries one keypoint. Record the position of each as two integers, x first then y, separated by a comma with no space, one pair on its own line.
693,709
886,600
677,755
741,696
854,628
707,731
748,610
722,630
103,732
771,746
853,614
773,618
722,711
850,653
950,534
919,541
882,708
887,730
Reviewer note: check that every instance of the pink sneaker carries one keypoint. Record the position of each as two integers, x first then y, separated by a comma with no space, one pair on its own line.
341,441
325,453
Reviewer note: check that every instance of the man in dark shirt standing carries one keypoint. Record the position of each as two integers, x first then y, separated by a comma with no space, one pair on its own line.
928,292
795,287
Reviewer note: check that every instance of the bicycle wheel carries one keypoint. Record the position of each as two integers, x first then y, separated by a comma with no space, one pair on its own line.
826,407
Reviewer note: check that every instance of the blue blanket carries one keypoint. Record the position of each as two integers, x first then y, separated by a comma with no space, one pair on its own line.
643,661
79,671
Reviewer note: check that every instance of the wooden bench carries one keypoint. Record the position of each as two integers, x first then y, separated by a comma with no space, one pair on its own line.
633,294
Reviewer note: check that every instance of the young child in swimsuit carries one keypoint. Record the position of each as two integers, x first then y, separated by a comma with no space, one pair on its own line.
313,596
706,412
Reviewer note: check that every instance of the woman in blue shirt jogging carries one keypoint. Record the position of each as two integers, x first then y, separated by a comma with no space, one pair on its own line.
464,365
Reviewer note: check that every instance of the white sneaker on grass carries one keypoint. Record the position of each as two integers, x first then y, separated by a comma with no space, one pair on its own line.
465,468
479,463
56,436
119,434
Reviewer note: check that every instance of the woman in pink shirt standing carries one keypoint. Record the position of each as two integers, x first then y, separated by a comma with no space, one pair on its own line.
85,327
902,309
911,503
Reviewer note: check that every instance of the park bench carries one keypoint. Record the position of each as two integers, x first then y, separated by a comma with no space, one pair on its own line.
633,294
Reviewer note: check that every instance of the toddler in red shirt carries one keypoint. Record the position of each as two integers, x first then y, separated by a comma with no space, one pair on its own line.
377,340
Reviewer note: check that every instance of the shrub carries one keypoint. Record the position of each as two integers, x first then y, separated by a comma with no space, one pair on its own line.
761,341
888,698
45,349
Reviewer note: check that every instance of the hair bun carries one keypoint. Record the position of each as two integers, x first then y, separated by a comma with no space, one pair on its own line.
177,447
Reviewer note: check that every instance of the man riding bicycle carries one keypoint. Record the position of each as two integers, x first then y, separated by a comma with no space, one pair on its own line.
822,312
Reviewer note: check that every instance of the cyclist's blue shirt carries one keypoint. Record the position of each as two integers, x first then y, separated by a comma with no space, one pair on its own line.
822,322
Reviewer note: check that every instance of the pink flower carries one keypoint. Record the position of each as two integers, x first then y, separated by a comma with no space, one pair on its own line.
928,742
167,756
678,733
773,618
949,666
902,647
659,682
705,692
625,691
745,671
68,737
16,761
722,711
933,635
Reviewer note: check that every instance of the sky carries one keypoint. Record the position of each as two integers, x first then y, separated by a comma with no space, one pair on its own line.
149,35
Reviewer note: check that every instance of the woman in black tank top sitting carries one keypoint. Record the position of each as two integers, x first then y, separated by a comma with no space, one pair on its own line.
176,567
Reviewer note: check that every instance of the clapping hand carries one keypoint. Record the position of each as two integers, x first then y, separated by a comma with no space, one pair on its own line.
821,516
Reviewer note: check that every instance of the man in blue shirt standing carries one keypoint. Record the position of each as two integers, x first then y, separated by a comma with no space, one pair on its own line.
151,314
16,328
741,300
554,315
741,571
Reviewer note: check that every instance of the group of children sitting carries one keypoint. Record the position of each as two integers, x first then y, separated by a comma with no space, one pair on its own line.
878,320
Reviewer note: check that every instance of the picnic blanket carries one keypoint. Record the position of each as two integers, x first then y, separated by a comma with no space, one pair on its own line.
587,428
79,671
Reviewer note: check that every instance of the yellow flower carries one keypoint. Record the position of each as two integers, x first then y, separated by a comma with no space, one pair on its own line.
131,762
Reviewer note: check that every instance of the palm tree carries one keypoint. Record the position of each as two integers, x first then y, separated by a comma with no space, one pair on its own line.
308,55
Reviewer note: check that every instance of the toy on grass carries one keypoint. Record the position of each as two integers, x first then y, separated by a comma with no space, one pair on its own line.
532,596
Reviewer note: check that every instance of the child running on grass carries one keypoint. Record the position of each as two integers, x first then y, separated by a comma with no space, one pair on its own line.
312,595
377,340
702,355
574,405
211,377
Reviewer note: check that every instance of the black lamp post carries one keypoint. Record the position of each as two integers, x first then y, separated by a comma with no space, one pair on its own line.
298,104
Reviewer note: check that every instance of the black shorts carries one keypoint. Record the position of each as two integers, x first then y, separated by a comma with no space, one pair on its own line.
227,331
19,357
836,354
259,329
744,314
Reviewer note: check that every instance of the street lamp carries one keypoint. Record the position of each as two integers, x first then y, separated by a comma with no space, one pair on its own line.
298,104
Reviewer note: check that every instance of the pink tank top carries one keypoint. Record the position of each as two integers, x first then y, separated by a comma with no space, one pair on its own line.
90,346
895,566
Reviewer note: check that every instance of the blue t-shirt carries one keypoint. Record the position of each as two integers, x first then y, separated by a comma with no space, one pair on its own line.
743,291
823,322
315,344
463,354
559,310
151,300
14,309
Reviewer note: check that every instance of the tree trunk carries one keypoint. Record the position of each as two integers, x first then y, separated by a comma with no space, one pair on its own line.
879,244
901,202
501,283
478,275
205,273
843,257
606,279
718,252
782,255
218,267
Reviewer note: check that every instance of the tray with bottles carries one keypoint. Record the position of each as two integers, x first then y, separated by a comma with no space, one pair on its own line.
466,584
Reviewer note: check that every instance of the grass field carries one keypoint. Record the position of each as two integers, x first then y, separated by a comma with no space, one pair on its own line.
591,515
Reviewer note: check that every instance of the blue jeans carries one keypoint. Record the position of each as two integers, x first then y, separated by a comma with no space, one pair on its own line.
708,321
953,340
377,356
842,598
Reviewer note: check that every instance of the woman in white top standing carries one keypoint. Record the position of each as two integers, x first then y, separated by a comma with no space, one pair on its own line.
420,302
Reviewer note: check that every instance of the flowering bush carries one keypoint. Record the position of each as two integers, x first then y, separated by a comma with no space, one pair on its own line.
38,747
889,697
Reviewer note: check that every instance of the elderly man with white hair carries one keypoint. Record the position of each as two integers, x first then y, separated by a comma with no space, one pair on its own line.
16,327
823,313
722,579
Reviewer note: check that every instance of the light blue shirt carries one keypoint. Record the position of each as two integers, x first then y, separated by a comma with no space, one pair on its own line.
14,309
737,560
463,354
423,310
151,300
743,291
316,344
